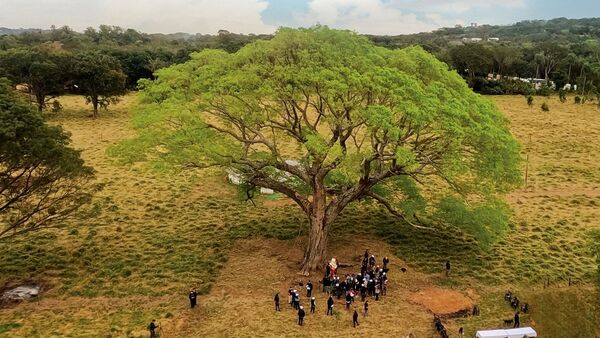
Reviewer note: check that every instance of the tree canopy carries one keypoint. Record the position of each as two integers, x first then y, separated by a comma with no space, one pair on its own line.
327,118
99,78
42,179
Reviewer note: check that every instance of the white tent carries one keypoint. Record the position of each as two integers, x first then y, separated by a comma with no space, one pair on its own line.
508,333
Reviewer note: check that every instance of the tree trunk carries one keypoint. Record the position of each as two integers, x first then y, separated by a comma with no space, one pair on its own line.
95,105
316,248
39,100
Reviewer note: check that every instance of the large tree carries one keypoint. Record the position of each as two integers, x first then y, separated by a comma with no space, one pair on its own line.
326,118
99,78
42,179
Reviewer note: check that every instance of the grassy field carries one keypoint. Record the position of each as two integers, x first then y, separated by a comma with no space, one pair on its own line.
152,237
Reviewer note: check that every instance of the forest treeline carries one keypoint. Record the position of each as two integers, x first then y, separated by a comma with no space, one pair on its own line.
58,60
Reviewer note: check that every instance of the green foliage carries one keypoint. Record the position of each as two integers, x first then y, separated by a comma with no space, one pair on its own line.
99,79
485,221
562,96
9,326
42,179
545,106
43,69
530,100
333,101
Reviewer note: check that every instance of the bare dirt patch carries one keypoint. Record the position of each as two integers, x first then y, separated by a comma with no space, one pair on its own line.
443,302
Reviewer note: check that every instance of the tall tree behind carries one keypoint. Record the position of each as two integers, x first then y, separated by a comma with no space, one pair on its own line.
366,124
42,179
99,78
44,70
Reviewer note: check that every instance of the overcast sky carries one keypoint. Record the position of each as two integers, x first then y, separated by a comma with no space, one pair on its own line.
264,16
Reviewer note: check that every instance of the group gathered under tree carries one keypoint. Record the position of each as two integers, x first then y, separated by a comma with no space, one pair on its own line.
370,281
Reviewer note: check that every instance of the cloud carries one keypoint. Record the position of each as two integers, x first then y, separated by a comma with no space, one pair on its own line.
457,6
367,16
205,16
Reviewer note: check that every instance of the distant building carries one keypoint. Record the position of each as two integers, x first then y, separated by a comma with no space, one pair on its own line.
493,39
472,39
474,24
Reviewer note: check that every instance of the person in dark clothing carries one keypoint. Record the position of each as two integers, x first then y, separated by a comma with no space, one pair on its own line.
348,300
313,305
330,306
355,318
366,307
447,268
386,261
517,320
309,288
327,270
193,296
152,327
301,315
277,302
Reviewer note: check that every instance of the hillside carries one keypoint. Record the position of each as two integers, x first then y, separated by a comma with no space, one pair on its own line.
155,236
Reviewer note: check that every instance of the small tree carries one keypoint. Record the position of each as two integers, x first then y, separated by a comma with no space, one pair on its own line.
99,79
562,96
365,123
529,100
42,180
45,71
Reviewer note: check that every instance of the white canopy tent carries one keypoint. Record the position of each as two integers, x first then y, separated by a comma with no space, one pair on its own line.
507,333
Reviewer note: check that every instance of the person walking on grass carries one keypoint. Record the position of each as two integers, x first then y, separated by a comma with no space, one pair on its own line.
355,319
193,296
277,302
313,305
301,315
330,306
447,268
517,320
366,307
152,327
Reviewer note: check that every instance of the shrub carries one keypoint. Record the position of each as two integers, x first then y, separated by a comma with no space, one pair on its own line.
544,90
545,107
562,96
530,100
56,106
577,99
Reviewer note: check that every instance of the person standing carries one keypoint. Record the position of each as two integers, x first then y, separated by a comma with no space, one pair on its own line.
517,320
355,318
193,296
277,302
301,315
330,306
366,308
313,305
309,288
447,268
152,327
290,297
461,333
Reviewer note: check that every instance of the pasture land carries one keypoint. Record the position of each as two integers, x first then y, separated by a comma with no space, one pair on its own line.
153,236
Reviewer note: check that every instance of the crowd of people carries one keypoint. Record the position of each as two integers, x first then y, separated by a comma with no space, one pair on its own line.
371,281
